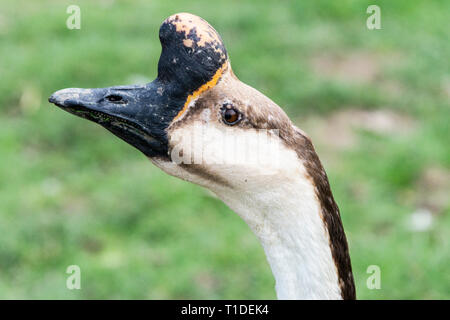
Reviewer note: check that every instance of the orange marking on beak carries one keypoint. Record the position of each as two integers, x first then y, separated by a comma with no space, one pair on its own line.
211,83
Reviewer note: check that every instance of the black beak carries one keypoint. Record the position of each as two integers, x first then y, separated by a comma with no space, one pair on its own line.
192,52
138,115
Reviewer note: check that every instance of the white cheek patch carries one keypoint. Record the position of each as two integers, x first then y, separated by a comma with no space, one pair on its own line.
247,158
208,144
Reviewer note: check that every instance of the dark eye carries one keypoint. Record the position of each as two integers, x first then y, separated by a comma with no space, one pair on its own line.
230,115
115,98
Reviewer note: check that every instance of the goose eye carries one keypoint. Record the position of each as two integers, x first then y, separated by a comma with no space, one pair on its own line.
115,98
231,116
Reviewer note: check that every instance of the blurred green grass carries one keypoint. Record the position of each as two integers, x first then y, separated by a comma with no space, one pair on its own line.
71,193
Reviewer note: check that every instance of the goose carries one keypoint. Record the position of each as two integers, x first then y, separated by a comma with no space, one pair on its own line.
197,106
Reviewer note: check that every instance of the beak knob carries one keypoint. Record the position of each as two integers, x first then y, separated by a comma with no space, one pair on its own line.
192,51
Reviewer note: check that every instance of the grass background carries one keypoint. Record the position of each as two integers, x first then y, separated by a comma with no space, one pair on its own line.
71,193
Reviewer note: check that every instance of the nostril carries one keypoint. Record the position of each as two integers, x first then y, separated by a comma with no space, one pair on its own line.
114,98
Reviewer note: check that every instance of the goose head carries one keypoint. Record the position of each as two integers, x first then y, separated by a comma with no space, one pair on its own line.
197,121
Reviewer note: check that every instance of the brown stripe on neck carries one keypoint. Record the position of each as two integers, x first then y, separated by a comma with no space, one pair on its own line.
330,211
